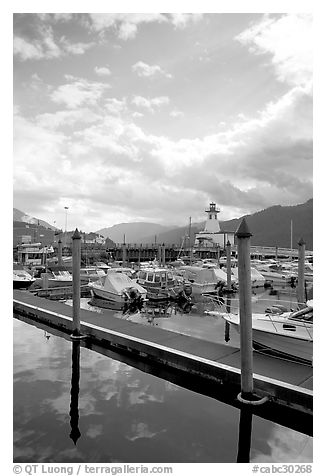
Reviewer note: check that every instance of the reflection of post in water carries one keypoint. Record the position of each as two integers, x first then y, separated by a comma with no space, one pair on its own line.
227,324
74,393
244,442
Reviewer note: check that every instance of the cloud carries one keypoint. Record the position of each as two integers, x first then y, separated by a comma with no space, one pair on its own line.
288,40
79,92
45,46
102,71
150,104
145,70
126,25
181,20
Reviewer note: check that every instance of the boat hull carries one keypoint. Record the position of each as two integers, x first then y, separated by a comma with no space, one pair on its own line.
285,345
101,293
17,284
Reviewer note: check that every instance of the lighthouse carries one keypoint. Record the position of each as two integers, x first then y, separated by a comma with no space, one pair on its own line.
212,224
212,236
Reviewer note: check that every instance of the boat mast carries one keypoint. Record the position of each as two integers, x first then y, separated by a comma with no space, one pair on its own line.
189,240
291,239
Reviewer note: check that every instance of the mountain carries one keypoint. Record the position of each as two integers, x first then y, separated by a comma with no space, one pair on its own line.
23,217
133,232
269,227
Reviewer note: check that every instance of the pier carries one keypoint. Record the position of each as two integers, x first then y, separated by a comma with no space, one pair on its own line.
288,385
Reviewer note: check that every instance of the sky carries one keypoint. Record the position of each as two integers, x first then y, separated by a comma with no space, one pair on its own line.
149,116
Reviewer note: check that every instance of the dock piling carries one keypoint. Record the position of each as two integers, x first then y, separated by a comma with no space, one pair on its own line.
76,257
228,265
59,252
301,280
45,280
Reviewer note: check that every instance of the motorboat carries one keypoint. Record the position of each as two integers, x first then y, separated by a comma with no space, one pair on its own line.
163,283
206,278
257,279
56,276
90,274
286,333
274,274
22,279
102,265
117,287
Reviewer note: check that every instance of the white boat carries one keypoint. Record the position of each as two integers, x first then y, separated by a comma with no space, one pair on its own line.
102,265
285,333
163,283
274,274
206,278
91,274
257,279
117,287
21,278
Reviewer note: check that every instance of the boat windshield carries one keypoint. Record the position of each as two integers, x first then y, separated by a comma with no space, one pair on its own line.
305,314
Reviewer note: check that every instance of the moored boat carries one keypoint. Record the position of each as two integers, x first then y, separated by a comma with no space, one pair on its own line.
163,283
22,279
117,287
285,333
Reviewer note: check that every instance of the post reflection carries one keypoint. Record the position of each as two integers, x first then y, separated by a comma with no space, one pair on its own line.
227,324
74,392
244,442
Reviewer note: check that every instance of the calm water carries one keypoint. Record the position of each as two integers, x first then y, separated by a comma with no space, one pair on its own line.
121,414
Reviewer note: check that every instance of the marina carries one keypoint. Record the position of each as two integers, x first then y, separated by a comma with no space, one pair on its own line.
163,247
180,323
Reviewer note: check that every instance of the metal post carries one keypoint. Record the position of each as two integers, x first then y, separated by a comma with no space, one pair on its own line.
276,252
218,253
301,280
243,235
228,265
76,256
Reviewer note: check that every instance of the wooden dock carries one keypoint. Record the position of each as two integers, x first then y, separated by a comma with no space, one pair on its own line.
288,385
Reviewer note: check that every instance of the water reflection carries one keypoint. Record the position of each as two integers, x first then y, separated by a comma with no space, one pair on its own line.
124,414
74,393
244,441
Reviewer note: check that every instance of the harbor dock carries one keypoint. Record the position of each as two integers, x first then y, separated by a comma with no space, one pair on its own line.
288,385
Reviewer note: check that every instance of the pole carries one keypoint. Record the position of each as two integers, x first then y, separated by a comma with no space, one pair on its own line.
243,234
163,254
124,254
190,257
65,240
59,252
291,239
228,265
218,253
76,256
159,254
301,280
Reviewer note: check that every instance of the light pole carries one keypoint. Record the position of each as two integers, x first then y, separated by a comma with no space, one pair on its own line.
65,240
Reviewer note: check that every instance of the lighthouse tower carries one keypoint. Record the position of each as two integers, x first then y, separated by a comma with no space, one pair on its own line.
212,224
212,236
